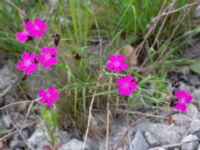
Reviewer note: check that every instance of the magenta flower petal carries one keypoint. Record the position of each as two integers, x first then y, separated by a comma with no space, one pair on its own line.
21,37
42,94
120,58
20,65
123,66
123,91
116,70
37,33
40,58
25,55
109,66
50,101
128,78
181,107
53,51
133,85
29,26
53,92
112,58
28,70
183,96
45,49
120,82
40,24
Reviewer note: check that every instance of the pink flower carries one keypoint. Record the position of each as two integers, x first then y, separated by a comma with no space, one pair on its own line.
48,96
116,63
47,57
27,64
23,36
183,98
36,28
126,85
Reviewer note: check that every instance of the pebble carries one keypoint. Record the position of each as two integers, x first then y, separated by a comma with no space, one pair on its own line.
139,142
192,142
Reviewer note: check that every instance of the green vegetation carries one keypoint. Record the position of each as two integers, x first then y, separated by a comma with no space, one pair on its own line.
95,29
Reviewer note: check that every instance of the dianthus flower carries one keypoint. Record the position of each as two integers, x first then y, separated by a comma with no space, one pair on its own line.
27,64
183,98
116,63
126,85
48,96
47,57
36,27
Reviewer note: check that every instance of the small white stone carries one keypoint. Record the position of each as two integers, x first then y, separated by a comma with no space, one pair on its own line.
190,142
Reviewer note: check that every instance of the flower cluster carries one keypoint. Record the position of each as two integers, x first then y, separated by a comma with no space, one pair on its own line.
127,84
30,61
31,29
181,99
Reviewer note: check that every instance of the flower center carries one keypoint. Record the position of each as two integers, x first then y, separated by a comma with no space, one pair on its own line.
48,94
116,63
27,62
47,56
126,85
182,100
36,27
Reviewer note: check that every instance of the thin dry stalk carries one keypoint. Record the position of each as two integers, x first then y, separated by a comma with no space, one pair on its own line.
173,145
90,114
108,116
16,103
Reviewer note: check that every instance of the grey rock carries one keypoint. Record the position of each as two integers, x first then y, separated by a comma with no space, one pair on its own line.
194,79
190,142
7,80
139,142
164,133
192,111
14,144
196,96
73,144
151,139
8,99
185,86
194,126
198,147
181,120
63,137
37,138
